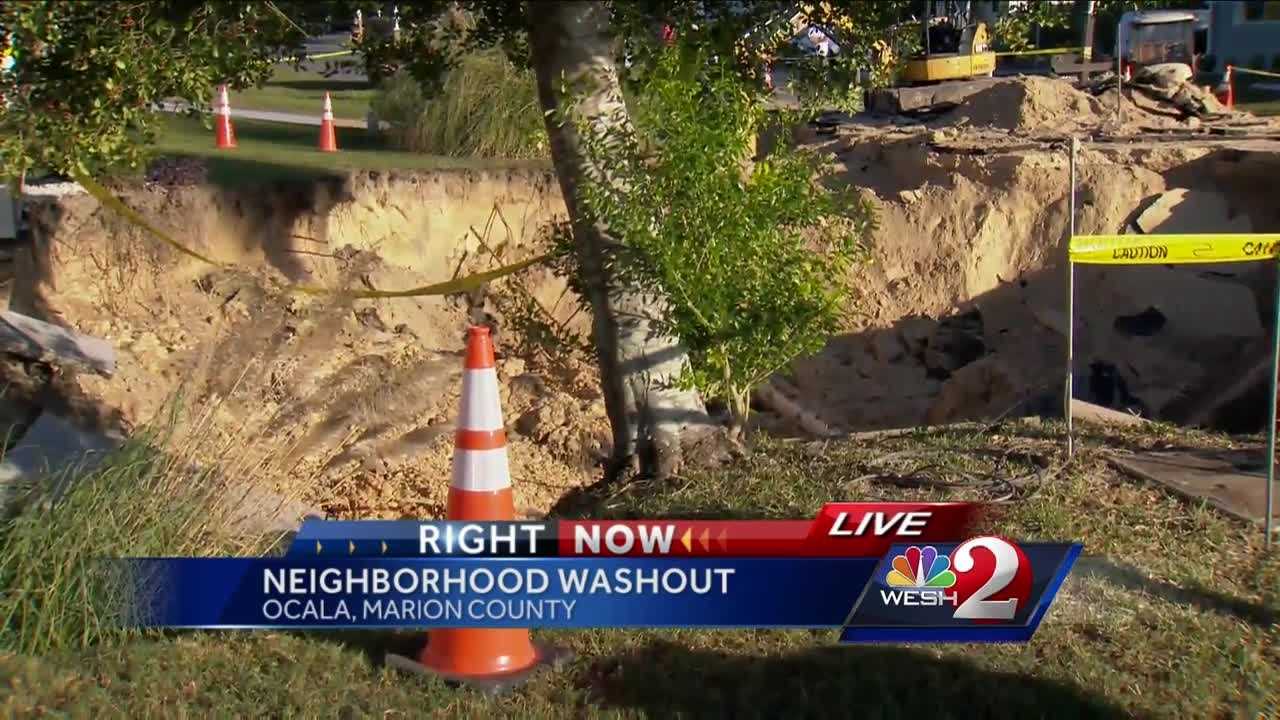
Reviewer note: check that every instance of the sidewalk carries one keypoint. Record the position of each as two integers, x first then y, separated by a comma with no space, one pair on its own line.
273,116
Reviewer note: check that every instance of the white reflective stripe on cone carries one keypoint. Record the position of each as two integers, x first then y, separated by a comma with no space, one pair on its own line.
481,470
480,408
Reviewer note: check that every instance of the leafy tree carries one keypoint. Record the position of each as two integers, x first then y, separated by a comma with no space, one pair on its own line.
752,262
87,75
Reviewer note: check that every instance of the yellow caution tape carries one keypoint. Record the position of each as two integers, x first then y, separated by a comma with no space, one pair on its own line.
1249,71
324,56
1172,249
1046,51
449,287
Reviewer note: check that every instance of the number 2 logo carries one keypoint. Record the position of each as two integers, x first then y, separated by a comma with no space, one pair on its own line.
993,580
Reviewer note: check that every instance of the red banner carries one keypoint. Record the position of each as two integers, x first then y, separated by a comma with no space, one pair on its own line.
840,530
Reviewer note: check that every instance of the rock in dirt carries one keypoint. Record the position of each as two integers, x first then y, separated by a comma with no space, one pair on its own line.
543,419
982,389
1192,211
1165,75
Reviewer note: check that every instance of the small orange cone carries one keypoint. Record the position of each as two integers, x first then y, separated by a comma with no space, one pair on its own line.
328,139
1226,93
492,658
226,135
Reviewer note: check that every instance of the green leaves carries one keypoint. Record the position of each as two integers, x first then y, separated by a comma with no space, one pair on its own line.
752,258
88,75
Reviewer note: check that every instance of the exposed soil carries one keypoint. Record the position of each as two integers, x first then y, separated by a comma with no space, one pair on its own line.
961,313
357,397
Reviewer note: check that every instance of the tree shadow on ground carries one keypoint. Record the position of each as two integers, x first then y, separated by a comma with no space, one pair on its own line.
665,679
1196,595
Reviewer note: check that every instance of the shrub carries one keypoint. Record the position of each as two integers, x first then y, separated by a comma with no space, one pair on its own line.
399,100
487,107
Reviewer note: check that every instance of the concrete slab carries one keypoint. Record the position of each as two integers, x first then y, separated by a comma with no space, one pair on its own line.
50,447
37,340
1232,481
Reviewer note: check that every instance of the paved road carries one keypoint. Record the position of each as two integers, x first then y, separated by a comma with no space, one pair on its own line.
323,44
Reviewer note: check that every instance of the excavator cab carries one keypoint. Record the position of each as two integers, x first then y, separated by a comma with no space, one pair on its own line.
952,53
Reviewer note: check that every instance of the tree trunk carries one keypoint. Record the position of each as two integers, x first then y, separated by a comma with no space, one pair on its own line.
651,419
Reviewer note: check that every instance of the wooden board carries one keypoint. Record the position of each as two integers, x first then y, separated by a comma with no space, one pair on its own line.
1232,481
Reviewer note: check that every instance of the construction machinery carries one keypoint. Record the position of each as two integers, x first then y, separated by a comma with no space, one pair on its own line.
951,52
956,54
1157,38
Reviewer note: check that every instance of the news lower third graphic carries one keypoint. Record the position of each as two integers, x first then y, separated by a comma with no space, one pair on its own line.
876,572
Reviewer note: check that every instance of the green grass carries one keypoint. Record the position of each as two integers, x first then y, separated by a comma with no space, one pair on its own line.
270,151
145,499
1172,613
1261,107
296,91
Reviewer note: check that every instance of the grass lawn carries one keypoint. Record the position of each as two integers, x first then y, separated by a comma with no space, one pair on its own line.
1261,107
299,91
269,151
1172,612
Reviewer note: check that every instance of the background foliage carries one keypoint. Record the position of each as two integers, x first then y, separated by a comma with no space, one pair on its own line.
87,76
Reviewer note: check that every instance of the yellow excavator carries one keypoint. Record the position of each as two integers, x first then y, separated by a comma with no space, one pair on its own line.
951,53
956,53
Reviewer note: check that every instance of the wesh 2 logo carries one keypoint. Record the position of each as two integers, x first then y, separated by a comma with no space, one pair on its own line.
986,579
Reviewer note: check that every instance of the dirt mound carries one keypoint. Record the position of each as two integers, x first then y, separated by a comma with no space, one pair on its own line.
1026,105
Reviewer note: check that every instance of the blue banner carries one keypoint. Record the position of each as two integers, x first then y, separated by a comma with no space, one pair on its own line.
311,592
983,589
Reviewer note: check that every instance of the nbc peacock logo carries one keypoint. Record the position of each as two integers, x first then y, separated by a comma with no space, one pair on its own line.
919,577
986,579
921,568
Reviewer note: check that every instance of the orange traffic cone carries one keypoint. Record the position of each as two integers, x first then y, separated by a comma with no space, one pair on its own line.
328,139
226,135
1226,93
492,658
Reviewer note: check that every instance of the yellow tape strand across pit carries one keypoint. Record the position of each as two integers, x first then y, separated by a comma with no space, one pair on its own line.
1250,71
1046,51
448,287
1173,249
